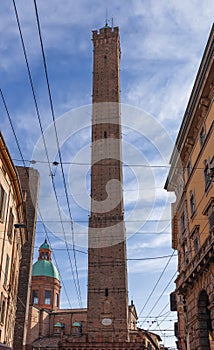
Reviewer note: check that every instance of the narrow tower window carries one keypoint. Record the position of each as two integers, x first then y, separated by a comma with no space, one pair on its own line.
47,297
105,134
106,292
35,297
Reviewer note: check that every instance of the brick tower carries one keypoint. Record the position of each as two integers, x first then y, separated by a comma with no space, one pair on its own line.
107,275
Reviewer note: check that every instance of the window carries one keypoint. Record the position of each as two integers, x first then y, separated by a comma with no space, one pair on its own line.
6,270
209,212
185,253
47,297
195,238
207,178
192,203
202,136
3,197
105,134
189,169
3,311
10,225
182,222
35,297
196,244
211,220
57,300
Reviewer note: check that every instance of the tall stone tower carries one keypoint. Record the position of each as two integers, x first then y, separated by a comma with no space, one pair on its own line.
107,275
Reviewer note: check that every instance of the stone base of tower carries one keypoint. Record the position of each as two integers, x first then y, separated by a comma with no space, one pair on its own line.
139,340
103,346
68,330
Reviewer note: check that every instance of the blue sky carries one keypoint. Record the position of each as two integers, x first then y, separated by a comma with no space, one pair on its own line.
162,43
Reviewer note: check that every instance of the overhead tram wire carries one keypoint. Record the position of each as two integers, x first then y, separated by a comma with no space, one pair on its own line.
57,141
157,301
103,165
85,253
12,127
19,148
160,314
45,147
57,266
156,284
165,318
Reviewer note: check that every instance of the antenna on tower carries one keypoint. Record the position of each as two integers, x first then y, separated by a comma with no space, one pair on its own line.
112,22
106,16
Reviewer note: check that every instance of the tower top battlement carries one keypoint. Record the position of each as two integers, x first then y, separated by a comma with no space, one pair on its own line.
105,32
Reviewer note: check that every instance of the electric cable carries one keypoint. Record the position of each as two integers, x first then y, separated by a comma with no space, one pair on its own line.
44,141
156,284
34,161
57,266
57,141
157,301
18,145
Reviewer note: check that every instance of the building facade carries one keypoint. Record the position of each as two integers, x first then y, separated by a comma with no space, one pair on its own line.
191,178
14,235
12,239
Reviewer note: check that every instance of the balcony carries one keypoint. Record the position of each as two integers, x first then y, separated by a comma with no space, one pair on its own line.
197,265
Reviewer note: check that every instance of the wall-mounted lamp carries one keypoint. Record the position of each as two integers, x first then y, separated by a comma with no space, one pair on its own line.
20,225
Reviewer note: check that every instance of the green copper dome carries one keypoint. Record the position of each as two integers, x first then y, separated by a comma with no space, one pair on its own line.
45,245
45,268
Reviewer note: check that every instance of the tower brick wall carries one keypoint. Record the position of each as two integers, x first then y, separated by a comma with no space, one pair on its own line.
107,276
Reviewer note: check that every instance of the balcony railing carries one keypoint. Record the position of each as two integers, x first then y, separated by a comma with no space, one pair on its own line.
197,265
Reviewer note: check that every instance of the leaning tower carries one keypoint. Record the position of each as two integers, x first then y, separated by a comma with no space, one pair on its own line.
107,275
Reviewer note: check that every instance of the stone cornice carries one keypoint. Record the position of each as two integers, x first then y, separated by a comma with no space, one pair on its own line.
200,99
